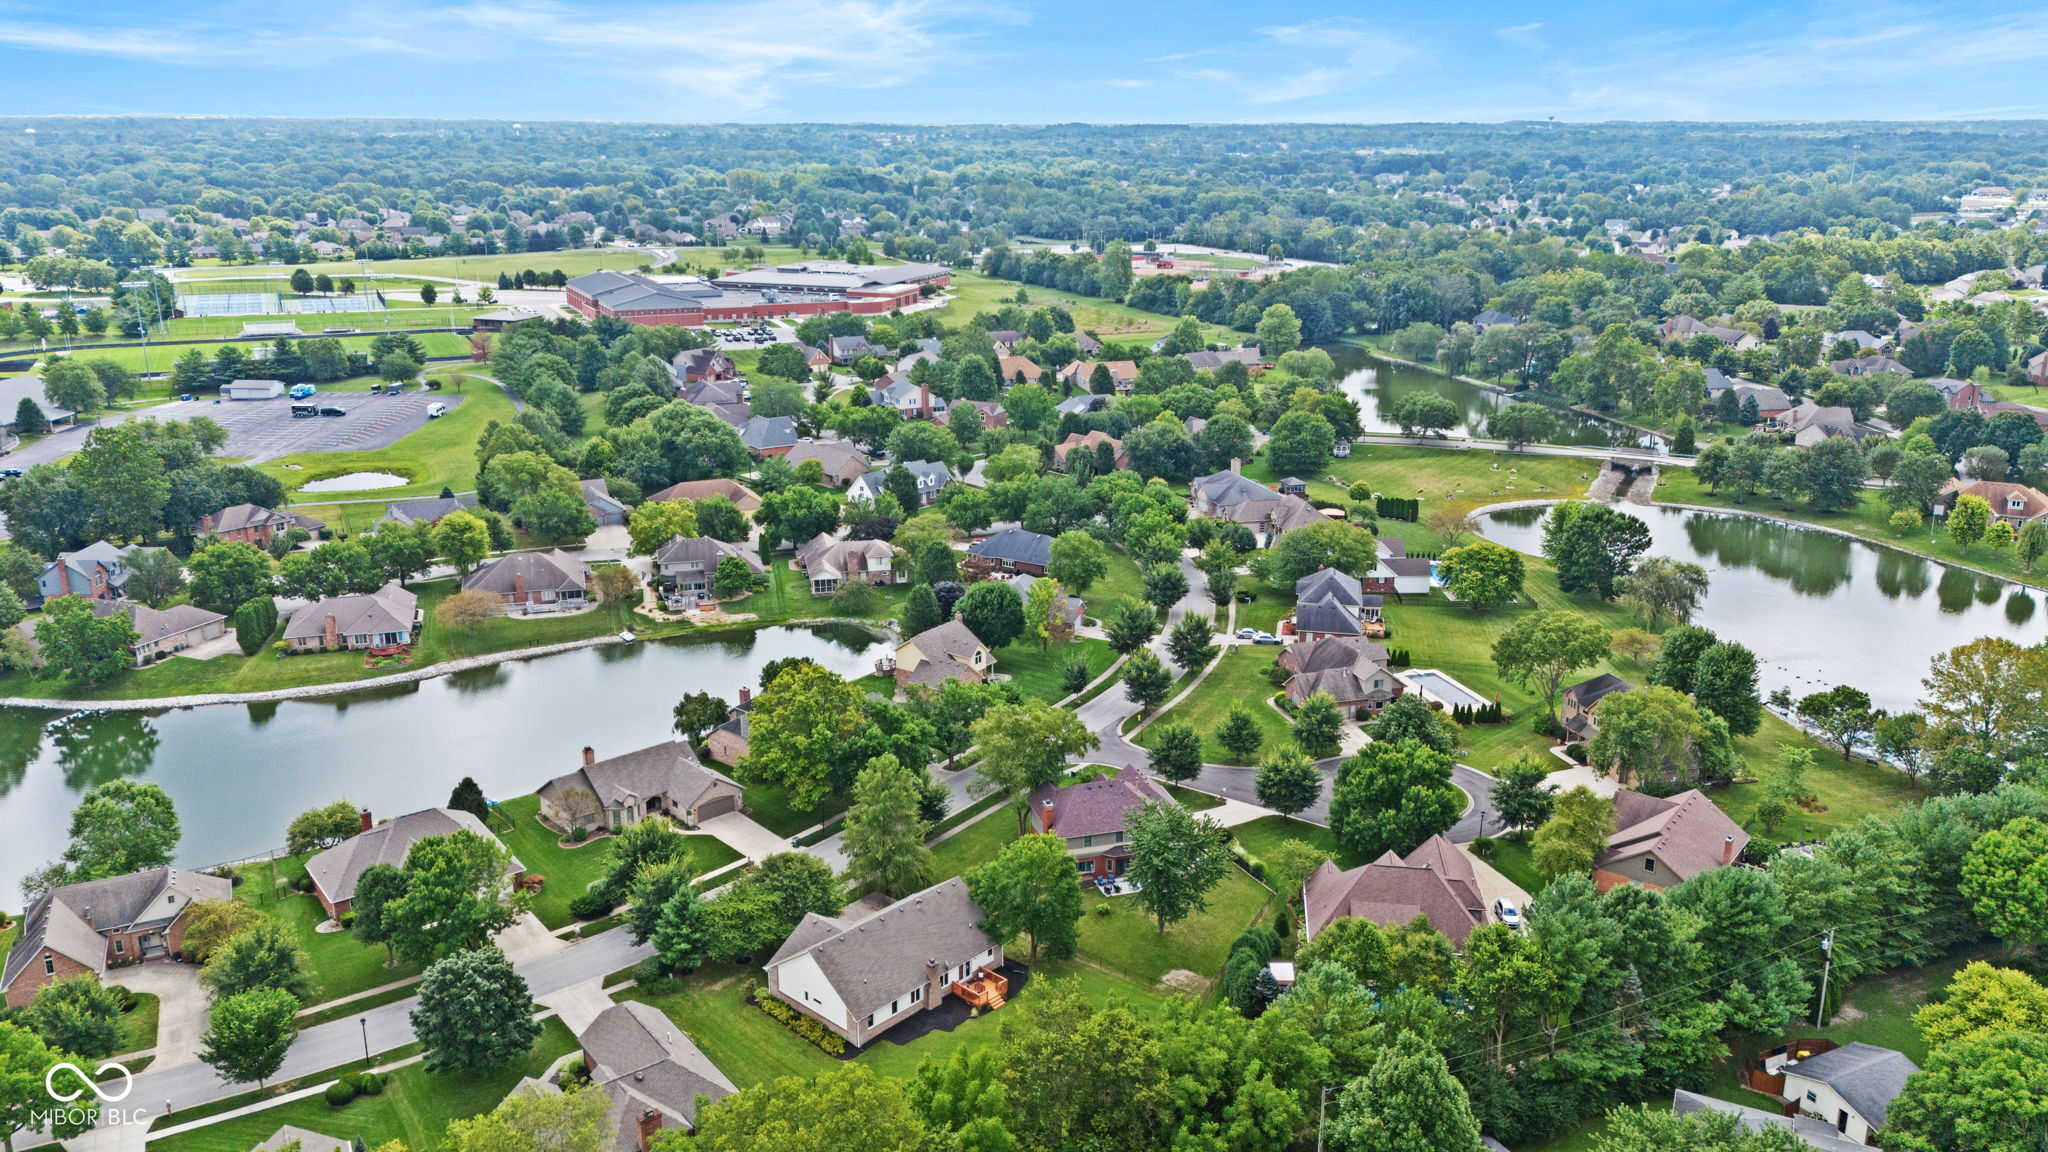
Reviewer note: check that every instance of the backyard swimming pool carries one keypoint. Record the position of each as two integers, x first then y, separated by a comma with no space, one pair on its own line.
1431,684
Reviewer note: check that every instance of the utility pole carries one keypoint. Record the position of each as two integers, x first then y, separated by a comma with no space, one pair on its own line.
1322,1109
1827,947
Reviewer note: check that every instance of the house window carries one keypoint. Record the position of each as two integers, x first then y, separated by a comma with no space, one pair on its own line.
1811,1098
1087,841
118,946
871,1019
49,964
917,995
893,1005
1087,867
1649,863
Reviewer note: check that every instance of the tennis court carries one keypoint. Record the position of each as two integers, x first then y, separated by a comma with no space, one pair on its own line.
274,304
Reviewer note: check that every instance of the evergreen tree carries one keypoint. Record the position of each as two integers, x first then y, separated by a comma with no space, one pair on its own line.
469,797
885,831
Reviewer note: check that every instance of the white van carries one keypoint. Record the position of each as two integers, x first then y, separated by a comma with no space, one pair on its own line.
436,411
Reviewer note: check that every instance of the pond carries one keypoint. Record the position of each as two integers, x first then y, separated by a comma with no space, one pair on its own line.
1820,609
239,773
355,482
1376,384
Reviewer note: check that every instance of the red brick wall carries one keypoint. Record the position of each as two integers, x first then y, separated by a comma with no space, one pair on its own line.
32,978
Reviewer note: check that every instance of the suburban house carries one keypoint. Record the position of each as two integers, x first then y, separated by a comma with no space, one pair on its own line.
1398,576
1090,817
160,632
829,560
1088,344
931,476
1492,317
1660,841
254,524
602,506
1211,361
1811,1132
386,618
847,349
993,415
1228,495
533,581
741,496
98,571
666,779
1870,366
861,975
335,871
1331,603
2013,503
1076,608
687,563
1089,444
728,742
767,436
429,511
694,364
85,929
1351,671
911,401
1435,881
2037,368
1850,1088
842,462
725,398
1576,711
1006,341
1081,405
653,1073
1015,550
1014,368
1811,423
1079,374
949,651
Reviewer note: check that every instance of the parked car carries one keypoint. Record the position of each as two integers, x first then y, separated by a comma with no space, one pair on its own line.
300,391
332,410
436,411
1265,638
1507,913
1247,633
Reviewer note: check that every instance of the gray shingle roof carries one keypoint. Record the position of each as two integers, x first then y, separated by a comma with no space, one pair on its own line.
1435,880
765,433
1015,545
703,551
667,769
873,959
1098,807
388,609
1817,1133
58,920
1866,1076
556,571
644,1061
428,511
336,870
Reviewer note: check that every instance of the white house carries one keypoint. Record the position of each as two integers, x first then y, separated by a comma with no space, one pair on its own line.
1851,1087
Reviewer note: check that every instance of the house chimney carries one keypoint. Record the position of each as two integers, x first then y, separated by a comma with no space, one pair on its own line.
1236,465
924,400
367,822
1728,850
330,632
589,756
647,1128
63,578
746,695
518,585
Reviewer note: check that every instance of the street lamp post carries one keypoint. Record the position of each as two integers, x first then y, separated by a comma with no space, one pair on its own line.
365,1021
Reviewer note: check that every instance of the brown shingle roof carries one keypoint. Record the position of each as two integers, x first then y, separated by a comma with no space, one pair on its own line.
1098,807
1435,880
1686,832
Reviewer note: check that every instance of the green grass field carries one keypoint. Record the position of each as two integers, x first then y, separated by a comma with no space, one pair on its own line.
415,1107
1111,322
158,358
575,262
571,870
1237,681
341,964
1123,581
1037,673
1188,955
440,453
1445,480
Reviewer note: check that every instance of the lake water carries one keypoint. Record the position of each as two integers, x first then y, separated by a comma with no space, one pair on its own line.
355,482
1376,384
1820,609
239,773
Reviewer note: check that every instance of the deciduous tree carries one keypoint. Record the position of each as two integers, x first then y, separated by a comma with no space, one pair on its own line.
1390,797
1032,888
475,1013
885,833
1177,858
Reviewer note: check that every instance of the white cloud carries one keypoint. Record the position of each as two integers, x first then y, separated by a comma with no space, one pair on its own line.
1522,34
1349,57
1126,82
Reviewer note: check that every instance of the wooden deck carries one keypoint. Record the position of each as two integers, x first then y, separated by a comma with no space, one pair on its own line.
988,990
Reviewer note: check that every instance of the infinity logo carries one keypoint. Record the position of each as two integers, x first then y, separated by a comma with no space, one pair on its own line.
90,1084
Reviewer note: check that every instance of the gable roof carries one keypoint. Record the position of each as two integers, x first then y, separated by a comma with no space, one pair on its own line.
1097,807
555,571
70,920
1231,496
1015,545
765,433
1088,441
643,1061
1330,584
930,475
842,461
1587,693
742,497
428,511
1435,880
667,769
2000,495
873,959
388,609
704,550
1866,1076
1687,832
336,870
1818,1133
831,556
154,624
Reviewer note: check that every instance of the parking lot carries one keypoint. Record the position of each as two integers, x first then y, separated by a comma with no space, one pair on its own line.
264,429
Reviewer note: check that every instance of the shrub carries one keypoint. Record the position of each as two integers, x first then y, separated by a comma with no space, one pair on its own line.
1102,909
1283,927
1485,847
1263,942
578,834
347,918
1759,850
595,904
650,969
339,1093
370,1084
575,1075
826,1039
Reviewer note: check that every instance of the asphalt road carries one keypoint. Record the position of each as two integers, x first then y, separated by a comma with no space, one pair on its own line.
382,1029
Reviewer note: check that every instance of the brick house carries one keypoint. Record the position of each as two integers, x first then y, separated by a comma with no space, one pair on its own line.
828,561
98,571
334,872
85,929
1660,841
1090,818
1015,550
534,581
382,619
254,524
950,651
665,779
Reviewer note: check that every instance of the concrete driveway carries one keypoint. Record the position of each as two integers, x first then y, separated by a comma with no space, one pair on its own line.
1494,887
578,1004
741,834
181,1007
528,939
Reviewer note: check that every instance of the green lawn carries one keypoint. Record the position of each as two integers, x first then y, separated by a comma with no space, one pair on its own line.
1879,1009
1870,519
1126,940
158,358
416,1106
975,844
1514,860
1259,837
138,1024
1111,322
1583,1136
341,964
1122,581
1446,479
571,871
769,807
1037,672
1237,681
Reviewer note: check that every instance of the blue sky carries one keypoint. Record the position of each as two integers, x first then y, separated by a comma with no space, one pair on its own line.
1026,60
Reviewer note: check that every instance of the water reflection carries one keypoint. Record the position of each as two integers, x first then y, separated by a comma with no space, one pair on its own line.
1378,384
238,775
93,748
1820,609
